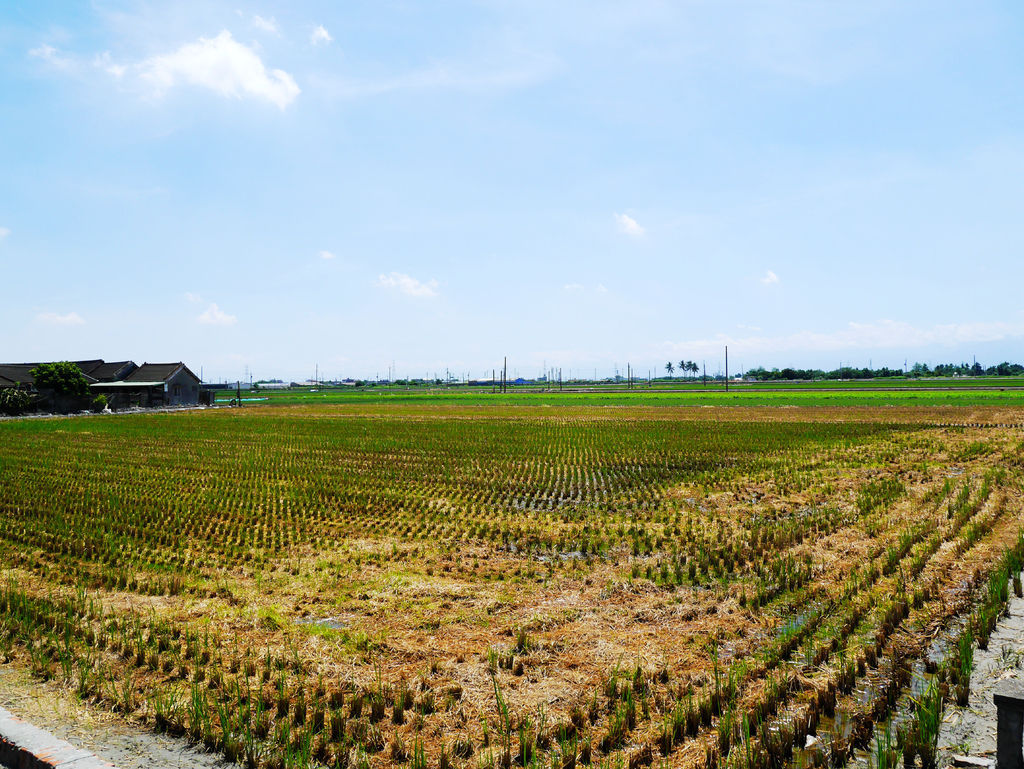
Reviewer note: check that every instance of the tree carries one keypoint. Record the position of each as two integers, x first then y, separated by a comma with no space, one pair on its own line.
63,378
670,368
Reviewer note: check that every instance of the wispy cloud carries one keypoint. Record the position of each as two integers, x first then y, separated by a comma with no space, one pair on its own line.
4,232
408,285
580,288
53,57
267,25
450,76
629,226
56,319
104,61
326,255
880,335
215,316
222,65
193,298
770,278
320,36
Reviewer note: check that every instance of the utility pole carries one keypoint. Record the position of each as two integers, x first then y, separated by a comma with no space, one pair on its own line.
238,392
704,363
504,376
727,368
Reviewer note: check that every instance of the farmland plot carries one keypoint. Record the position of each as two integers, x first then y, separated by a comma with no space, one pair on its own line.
473,587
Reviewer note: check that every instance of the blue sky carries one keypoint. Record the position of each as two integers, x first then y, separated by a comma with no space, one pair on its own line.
274,186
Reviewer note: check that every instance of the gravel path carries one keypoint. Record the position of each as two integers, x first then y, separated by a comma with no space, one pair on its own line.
48,707
972,730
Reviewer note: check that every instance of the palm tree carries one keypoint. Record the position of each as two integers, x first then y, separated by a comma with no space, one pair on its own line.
669,368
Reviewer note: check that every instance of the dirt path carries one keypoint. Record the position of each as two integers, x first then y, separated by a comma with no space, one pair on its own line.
48,707
972,730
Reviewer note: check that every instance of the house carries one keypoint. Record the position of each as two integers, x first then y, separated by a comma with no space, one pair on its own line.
152,384
12,374
124,383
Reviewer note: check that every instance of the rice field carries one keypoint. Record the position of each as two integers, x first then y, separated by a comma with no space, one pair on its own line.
446,584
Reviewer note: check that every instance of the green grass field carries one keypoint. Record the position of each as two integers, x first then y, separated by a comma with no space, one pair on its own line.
855,395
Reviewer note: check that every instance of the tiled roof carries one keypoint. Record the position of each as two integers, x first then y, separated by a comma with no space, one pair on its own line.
17,372
112,372
98,370
156,372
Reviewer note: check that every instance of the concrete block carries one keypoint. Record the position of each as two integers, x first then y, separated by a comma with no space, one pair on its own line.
24,746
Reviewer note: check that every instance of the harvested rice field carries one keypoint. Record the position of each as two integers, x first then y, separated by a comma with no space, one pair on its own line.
431,585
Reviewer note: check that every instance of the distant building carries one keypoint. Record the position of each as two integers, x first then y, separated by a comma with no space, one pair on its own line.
124,383
12,374
153,384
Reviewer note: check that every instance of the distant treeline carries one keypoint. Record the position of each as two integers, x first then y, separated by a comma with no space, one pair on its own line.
916,371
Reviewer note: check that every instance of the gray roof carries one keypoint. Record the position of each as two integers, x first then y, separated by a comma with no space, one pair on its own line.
97,370
112,372
17,372
157,372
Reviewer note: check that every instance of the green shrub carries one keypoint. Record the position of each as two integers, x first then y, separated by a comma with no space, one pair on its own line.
14,401
99,403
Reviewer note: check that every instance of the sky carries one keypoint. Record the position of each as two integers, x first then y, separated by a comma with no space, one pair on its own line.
275,188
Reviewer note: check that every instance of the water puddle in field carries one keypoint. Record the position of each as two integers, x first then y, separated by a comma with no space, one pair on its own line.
794,625
331,623
570,555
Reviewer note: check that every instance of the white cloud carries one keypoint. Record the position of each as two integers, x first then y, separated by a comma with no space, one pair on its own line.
107,64
320,35
267,25
56,319
408,285
4,232
215,316
882,334
326,255
629,226
222,65
52,56
770,278
194,298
